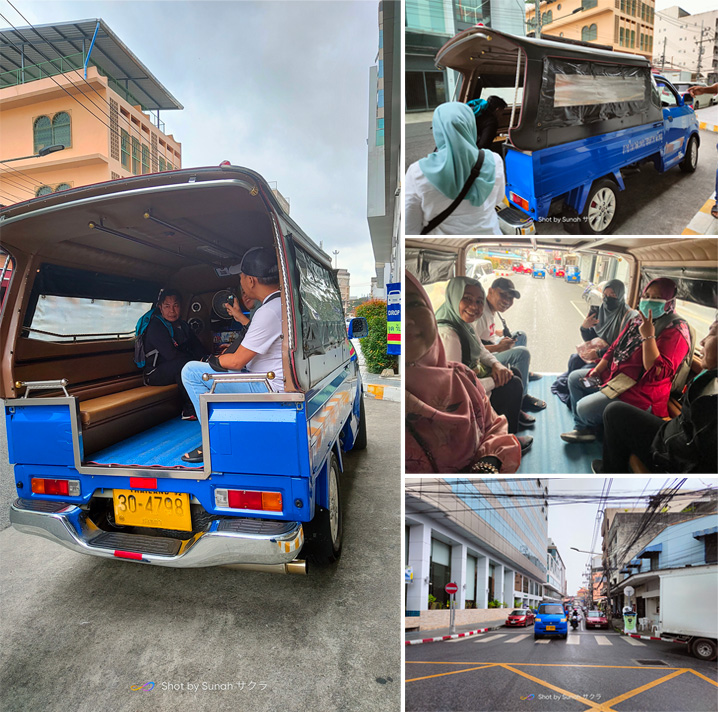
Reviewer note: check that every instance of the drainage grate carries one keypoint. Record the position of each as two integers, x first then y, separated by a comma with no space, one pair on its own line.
651,662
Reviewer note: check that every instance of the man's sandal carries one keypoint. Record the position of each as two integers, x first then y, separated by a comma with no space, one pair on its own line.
531,403
194,455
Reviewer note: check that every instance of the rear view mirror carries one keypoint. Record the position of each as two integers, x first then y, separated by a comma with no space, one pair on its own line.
358,328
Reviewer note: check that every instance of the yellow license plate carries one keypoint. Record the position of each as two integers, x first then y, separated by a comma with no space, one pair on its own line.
160,510
550,627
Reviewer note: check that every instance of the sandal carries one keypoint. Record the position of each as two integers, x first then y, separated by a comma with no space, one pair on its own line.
531,403
194,455
535,376
714,211
526,420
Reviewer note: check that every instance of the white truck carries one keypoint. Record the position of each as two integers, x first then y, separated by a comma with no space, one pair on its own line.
689,609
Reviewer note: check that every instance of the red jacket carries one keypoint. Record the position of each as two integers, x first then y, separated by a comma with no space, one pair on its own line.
653,387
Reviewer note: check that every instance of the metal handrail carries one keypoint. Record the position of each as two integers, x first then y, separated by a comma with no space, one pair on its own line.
237,377
43,385
74,337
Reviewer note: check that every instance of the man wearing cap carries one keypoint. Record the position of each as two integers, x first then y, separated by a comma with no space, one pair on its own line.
509,350
260,351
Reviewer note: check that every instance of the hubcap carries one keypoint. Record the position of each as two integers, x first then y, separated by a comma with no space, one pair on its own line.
333,504
601,209
694,153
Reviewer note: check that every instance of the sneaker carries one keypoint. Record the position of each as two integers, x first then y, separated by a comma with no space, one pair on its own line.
526,443
578,436
597,467
188,415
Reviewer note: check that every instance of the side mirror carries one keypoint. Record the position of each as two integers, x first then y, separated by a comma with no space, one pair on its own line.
685,99
358,328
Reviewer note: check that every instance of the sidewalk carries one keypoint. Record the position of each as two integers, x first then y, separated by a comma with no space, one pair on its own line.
416,637
708,118
703,223
386,388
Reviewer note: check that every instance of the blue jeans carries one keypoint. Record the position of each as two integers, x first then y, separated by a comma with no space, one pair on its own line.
195,386
517,357
587,404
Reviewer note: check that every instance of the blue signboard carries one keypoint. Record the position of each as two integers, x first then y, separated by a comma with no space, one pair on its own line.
393,319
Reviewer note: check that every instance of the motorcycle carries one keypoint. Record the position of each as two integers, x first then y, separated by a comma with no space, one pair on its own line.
574,621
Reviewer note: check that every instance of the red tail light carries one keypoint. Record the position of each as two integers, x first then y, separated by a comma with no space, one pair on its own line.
248,499
518,200
68,488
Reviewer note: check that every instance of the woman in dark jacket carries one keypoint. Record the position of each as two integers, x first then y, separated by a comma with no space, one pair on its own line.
169,344
685,444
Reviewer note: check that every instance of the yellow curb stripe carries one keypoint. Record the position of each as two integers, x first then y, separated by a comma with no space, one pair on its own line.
687,231
578,698
454,672
572,665
707,207
707,679
607,706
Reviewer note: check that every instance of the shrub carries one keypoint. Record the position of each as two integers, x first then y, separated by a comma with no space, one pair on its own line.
374,346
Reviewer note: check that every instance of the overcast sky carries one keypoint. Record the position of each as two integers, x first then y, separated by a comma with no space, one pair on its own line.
693,7
280,87
572,524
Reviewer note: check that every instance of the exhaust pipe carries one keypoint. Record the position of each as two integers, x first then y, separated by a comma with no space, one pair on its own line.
298,566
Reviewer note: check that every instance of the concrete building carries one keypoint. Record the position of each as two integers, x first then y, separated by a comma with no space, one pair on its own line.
488,536
623,25
384,170
686,42
555,587
343,278
76,84
429,24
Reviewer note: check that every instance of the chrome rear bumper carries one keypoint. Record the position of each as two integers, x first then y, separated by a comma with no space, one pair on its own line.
247,543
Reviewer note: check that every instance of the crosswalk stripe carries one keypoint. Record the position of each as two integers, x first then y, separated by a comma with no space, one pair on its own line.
491,637
543,641
631,641
573,640
516,638
602,640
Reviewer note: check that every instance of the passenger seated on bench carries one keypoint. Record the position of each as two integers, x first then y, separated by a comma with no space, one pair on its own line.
682,445
260,351
639,366
450,424
487,113
166,354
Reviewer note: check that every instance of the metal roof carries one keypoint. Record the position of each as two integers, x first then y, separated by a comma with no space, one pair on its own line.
109,52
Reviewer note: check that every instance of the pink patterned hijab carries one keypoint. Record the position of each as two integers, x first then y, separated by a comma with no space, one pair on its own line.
449,421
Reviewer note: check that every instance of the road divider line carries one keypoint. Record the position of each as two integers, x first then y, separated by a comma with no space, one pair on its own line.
602,640
453,672
573,640
703,677
550,686
491,637
608,705
516,639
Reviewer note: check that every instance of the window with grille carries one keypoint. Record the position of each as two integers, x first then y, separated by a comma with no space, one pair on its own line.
43,190
145,158
136,153
163,165
42,133
63,186
61,133
126,149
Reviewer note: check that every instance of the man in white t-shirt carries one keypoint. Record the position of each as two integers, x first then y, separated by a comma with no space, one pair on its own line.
260,351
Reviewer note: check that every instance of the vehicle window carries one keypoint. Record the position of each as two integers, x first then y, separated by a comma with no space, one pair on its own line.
594,614
323,325
551,609
69,304
6,270
668,96
518,612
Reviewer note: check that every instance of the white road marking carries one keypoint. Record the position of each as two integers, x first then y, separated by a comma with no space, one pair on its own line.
633,641
578,310
602,640
491,637
573,640
516,638
543,641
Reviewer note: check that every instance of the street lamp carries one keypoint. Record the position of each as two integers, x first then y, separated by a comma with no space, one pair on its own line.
42,152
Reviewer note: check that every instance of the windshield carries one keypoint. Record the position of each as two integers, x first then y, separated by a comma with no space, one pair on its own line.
555,609
595,614
518,613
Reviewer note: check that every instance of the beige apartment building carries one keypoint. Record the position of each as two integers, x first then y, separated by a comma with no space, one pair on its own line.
622,25
92,96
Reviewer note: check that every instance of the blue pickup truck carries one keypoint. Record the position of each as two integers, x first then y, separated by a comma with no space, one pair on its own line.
578,116
97,452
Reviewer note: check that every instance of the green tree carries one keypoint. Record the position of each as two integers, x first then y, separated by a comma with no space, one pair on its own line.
373,347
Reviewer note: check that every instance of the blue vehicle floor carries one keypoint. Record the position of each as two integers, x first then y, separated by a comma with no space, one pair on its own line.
161,446
549,454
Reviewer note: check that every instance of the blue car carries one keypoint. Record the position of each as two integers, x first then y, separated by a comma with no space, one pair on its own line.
573,275
583,115
551,619
539,270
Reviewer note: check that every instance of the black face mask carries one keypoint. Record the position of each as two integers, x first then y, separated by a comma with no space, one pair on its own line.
611,302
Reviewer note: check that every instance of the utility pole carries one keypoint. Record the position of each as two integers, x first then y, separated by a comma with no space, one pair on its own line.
663,58
700,50
336,259
538,19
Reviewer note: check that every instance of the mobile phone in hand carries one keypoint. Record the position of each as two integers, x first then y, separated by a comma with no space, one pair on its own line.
591,382
593,311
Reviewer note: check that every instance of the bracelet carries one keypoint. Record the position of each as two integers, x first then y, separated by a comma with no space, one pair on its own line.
484,467
645,338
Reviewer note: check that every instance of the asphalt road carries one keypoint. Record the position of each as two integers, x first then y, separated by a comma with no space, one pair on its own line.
507,671
652,204
77,632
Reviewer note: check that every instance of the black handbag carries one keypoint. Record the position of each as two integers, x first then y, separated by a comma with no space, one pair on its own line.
473,175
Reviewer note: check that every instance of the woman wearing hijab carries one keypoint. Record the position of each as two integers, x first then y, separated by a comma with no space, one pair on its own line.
433,183
606,325
638,367
450,424
463,305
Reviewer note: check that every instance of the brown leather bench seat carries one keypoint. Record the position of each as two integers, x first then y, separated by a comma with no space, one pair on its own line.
114,417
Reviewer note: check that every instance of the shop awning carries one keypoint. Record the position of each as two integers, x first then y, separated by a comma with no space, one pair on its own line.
652,549
705,532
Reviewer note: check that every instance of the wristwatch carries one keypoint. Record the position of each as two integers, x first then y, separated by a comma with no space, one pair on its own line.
484,467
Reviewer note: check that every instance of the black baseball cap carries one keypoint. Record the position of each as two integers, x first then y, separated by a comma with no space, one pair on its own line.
507,285
260,262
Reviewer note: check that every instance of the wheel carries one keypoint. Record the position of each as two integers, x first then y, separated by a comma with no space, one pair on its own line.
361,439
599,213
704,648
564,636
324,541
690,160
536,636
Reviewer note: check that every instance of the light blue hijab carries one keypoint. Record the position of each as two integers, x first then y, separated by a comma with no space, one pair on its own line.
448,168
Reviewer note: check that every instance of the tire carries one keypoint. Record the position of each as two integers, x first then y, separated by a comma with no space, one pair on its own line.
324,543
599,213
690,160
536,636
564,636
360,441
704,649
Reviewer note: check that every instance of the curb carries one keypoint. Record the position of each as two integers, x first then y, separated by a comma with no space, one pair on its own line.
390,393
455,636
704,126
703,223
651,637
